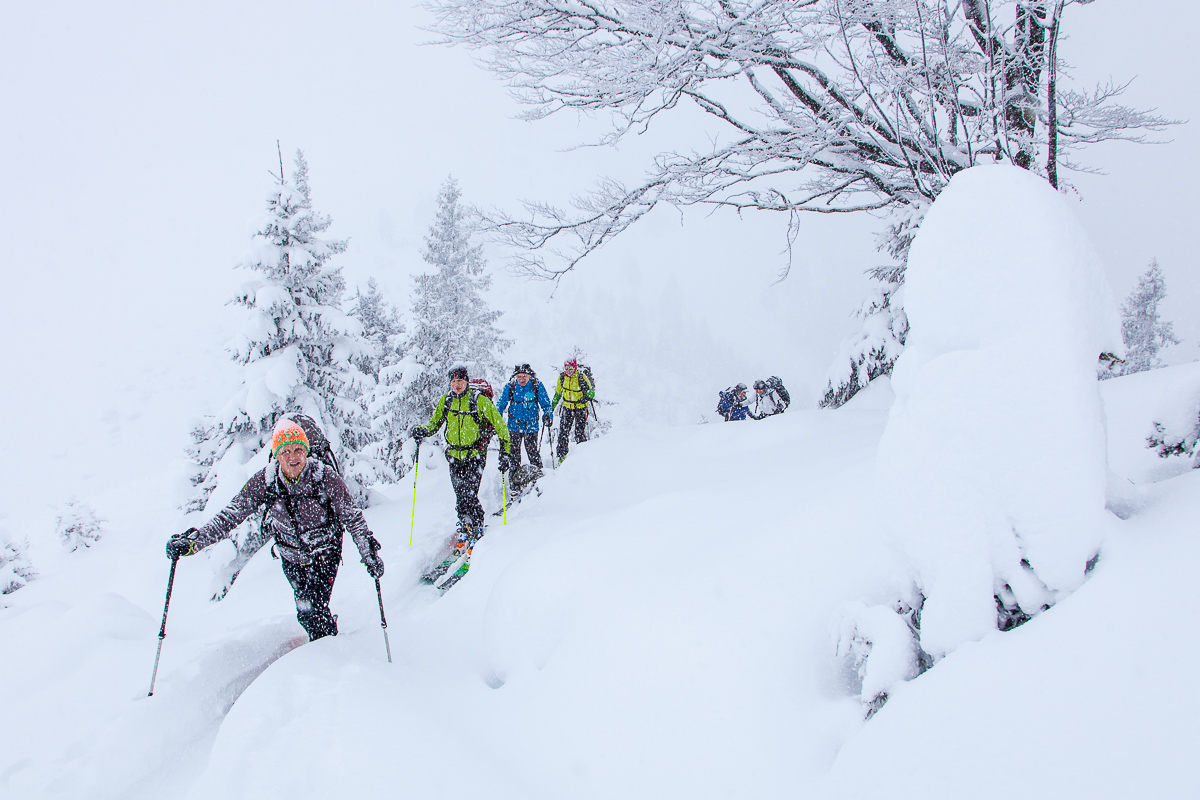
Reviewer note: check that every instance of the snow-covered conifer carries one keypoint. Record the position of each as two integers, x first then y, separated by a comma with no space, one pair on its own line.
383,328
1142,328
77,525
452,322
299,350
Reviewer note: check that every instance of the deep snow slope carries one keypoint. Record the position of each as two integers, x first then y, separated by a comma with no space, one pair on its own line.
656,624
1092,698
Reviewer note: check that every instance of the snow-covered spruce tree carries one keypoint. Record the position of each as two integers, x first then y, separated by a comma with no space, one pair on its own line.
298,349
1142,327
451,320
77,525
826,106
383,328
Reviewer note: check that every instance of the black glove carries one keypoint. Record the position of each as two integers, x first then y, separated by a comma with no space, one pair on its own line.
373,562
505,461
548,420
418,432
182,544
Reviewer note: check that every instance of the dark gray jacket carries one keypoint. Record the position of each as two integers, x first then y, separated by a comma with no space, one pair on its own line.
305,518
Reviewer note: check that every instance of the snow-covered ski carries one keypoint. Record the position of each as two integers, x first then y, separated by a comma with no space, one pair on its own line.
516,498
457,575
524,480
457,561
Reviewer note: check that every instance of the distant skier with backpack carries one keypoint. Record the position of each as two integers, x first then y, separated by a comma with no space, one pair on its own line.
307,507
467,413
732,405
575,388
525,392
770,398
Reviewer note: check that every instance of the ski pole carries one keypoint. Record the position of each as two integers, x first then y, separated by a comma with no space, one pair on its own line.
504,495
383,620
411,525
162,632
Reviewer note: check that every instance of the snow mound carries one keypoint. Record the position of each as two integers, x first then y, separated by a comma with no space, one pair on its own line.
994,457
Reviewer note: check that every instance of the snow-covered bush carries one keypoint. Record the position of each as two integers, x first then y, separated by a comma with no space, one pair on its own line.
77,525
1176,423
880,647
994,460
1142,328
15,567
299,350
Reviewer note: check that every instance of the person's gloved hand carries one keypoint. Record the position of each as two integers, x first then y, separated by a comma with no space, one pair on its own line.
505,461
418,432
373,562
548,420
182,544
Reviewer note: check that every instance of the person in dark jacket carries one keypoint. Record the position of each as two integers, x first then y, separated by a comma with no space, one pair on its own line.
525,392
732,406
308,506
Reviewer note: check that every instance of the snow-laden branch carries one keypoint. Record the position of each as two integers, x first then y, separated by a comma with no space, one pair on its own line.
823,105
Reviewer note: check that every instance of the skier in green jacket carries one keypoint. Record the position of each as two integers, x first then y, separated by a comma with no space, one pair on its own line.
467,413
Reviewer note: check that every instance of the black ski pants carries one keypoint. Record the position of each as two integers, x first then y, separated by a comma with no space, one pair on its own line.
531,442
465,476
312,585
571,416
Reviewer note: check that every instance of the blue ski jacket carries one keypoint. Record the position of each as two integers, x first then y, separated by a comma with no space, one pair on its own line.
523,416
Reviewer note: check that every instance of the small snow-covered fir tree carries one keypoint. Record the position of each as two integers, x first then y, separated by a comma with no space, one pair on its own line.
383,328
452,322
1142,327
299,350
15,568
77,525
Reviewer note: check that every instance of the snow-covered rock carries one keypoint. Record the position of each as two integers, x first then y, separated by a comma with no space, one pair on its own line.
994,459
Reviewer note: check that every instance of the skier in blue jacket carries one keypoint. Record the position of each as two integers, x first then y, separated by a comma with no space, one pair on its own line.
525,392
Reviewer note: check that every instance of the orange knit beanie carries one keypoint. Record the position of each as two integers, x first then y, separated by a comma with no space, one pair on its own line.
287,432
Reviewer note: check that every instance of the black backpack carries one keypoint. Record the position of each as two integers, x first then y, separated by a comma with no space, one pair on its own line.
777,385
318,445
584,370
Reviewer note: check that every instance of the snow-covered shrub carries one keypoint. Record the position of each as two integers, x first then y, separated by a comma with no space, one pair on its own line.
1176,423
994,460
880,645
15,568
77,525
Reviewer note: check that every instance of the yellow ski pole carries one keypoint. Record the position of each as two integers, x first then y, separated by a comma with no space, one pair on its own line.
416,466
504,492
